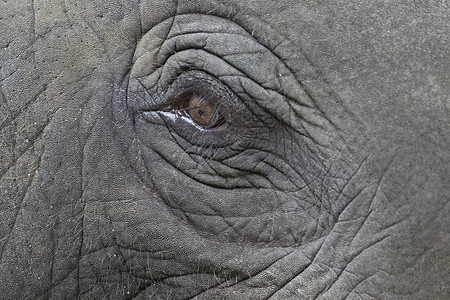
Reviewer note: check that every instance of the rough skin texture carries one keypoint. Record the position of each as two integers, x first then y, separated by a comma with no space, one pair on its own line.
328,179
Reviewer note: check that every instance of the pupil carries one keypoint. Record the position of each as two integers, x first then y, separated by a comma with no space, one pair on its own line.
200,112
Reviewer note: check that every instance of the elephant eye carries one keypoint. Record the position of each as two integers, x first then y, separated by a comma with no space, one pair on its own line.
203,112
201,101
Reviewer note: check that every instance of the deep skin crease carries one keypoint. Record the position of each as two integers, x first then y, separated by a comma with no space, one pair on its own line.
322,175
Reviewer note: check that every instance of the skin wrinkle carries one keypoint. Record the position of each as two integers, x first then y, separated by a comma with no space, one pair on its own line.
188,174
216,213
120,93
19,207
22,111
243,279
341,192
364,280
249,53
340,272
363,249
354,256
295,275
5,107
15,160
126,271
276,262
237,282
47,293
85,187
118,247
80,233
26,194
23,152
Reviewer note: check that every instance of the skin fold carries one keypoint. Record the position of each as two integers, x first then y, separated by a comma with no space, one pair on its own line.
224,150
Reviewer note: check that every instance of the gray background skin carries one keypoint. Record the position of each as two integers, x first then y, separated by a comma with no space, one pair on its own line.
64,234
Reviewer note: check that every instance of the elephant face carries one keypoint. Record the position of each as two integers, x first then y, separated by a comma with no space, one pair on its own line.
238,150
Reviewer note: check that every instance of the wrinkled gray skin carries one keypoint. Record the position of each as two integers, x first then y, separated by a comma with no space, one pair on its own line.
329,178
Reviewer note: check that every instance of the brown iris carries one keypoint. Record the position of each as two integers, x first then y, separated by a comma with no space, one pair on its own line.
201,111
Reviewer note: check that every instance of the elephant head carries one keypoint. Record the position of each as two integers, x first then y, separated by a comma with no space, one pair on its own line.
224,150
